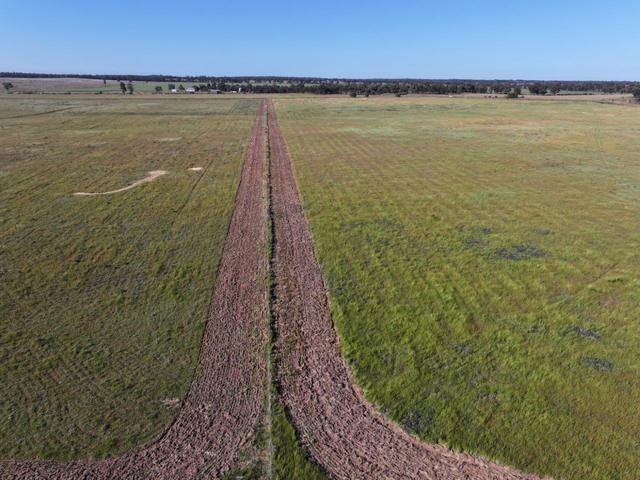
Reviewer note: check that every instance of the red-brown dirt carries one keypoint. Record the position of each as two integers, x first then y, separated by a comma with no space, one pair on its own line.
343,432
225,402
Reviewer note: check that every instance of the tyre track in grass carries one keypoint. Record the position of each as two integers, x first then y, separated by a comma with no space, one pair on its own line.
37,114
340,429
225,402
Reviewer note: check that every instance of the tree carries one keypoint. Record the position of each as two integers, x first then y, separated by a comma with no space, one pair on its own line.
171,86
123,88
555,89
181,88
537,89
7,86
353,94
515,93
636,93
130,88
158,89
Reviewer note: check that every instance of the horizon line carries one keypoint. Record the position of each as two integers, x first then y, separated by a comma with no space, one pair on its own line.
7,74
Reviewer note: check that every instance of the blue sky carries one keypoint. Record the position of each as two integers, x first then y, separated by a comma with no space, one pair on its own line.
542,39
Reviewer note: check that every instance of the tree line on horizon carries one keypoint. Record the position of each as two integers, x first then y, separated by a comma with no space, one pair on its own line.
316,85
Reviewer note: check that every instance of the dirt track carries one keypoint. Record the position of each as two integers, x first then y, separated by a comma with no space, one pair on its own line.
225,401
342,431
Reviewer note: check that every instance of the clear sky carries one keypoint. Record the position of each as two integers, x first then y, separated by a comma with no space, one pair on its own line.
543,39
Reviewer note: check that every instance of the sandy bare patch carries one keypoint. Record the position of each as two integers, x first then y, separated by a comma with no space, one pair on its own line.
168,139
170,402
149,178
195,169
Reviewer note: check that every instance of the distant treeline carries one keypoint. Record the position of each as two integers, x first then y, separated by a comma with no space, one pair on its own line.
275,84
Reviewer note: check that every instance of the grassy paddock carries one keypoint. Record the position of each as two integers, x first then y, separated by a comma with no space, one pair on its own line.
82,85
483,264
103,299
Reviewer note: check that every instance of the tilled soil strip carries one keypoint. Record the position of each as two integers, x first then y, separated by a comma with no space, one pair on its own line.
225,403
343,432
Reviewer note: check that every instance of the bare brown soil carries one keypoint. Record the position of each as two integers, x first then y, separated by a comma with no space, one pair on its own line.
149,178
224,405
343,432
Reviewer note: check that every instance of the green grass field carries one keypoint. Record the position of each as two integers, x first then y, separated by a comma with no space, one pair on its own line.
483,263
103,299
81,85
481,255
